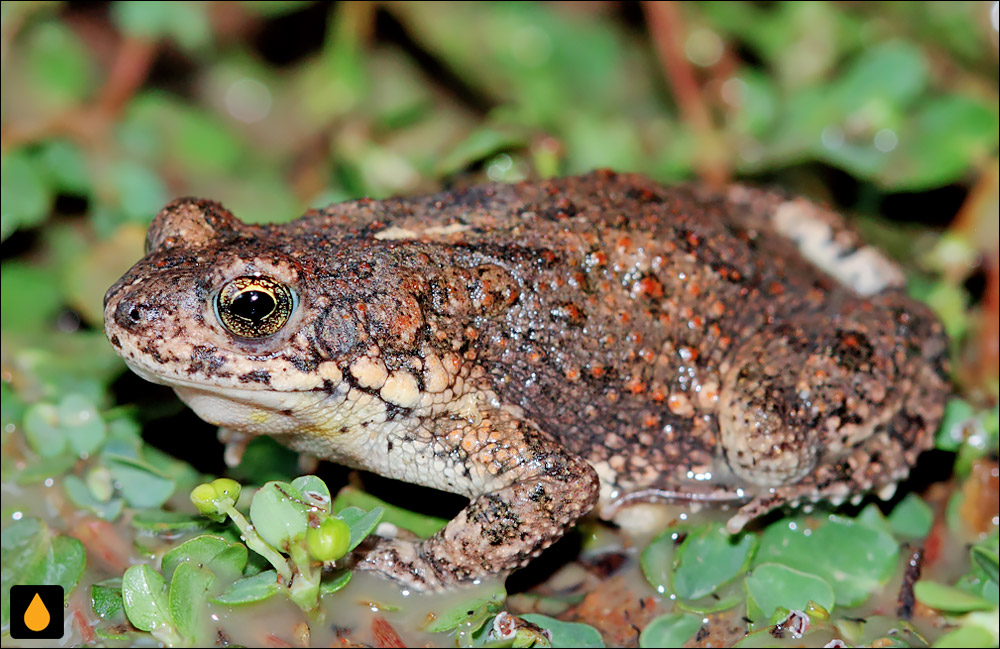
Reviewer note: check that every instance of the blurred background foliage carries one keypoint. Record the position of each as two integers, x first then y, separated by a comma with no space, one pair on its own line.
111,109
887,110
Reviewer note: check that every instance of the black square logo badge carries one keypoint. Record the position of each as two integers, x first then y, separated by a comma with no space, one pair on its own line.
36,612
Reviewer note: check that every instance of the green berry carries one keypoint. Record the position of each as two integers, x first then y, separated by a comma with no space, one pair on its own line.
204,498
329,541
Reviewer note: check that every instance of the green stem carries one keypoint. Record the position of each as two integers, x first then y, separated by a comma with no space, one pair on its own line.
259,545
304,590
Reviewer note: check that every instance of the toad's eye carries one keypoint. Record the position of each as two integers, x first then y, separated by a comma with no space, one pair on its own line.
254,307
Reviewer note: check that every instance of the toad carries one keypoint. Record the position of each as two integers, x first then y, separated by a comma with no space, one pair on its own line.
546,349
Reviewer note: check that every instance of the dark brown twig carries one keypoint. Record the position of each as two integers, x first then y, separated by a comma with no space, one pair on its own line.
906,600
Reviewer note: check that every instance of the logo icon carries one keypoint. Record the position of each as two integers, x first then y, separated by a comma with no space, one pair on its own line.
36,612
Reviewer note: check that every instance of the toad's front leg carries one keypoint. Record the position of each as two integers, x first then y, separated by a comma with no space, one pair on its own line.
526,491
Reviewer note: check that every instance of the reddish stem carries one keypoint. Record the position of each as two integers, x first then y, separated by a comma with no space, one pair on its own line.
666,27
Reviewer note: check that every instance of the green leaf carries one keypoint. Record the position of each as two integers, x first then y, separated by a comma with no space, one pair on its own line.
949,135
362,523
141,193
951,432
911,518
871,516
566,634
205,145
226,560
85,428
474,608
99,484
145,596
420,524
62,564
25,196
200,551
772,586
314,491
830,552
65,567
22,544
337,582
43,430
967,636
187,598
140,484
112,633
29,298
59,63
74,423
81,496
948,598
106,598
658,558
987,559
713,604
893,72
185,476
479,145
45,468
161,522
279,514
64,166
948,300
758,102
670,630
81,362
184,22
11,406
250,589
708,558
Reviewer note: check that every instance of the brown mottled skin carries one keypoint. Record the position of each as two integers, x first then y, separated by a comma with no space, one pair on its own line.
513,343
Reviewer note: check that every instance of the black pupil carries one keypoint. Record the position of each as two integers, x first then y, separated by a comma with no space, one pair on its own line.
252,305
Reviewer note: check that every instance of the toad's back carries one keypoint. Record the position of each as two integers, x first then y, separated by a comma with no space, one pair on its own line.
689,346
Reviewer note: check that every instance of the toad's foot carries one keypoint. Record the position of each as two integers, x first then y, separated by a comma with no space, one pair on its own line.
824,404
876,465
403,562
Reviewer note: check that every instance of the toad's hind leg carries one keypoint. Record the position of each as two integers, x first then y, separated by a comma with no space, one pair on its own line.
807,400
526,491
877,464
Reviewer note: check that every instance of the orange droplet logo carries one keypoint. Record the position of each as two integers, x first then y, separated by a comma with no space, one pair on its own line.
36,616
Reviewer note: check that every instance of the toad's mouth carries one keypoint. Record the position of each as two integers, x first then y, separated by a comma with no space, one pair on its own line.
178,362
254,410
271,374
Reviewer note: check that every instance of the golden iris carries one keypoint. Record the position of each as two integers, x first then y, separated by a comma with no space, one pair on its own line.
254,307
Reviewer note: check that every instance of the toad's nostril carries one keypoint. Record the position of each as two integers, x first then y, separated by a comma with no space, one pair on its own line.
129,314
